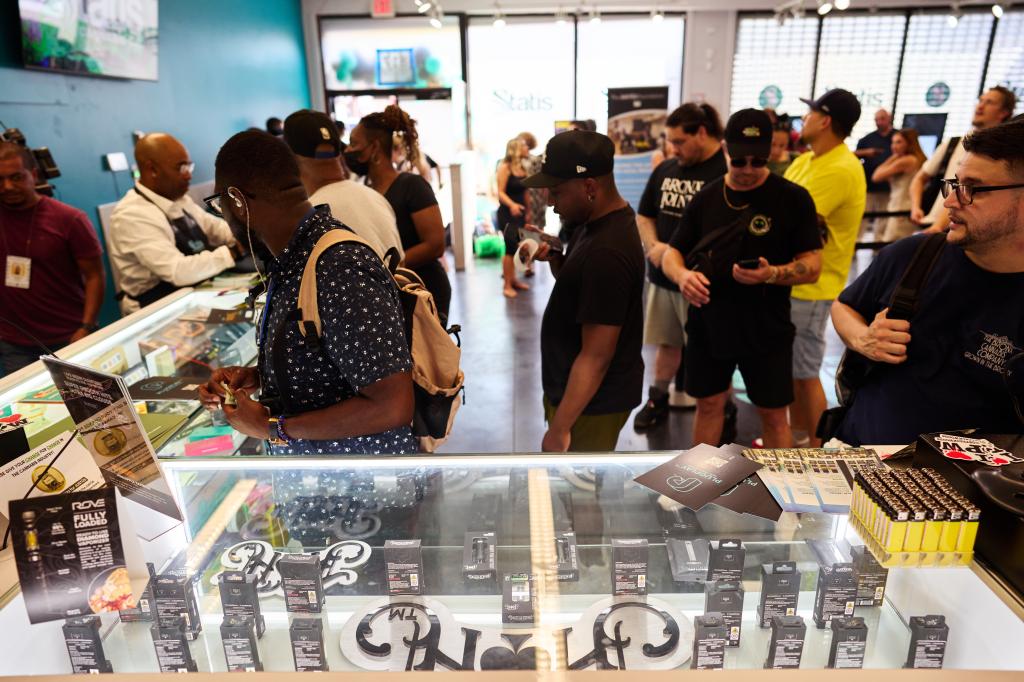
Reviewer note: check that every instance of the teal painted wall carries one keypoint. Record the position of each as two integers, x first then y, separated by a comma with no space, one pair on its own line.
224,65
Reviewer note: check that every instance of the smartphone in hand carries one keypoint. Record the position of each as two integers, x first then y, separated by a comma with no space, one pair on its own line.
749,263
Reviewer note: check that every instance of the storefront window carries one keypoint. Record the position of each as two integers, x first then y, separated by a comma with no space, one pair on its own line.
773,65
1006,66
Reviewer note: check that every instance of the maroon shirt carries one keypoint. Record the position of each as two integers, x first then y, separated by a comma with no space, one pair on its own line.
55,236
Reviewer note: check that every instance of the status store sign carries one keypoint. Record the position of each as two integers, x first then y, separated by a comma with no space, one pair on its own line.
75,555
101,407
636,123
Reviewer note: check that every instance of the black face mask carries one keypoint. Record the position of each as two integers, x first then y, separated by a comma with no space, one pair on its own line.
355,165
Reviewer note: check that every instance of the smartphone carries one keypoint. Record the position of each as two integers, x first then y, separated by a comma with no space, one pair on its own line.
750,263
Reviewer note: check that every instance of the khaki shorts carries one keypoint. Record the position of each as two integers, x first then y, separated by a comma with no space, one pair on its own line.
665,317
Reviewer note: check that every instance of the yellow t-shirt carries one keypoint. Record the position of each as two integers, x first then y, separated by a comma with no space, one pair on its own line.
836,182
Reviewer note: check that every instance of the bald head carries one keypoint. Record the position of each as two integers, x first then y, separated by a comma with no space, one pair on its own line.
883,121
164,165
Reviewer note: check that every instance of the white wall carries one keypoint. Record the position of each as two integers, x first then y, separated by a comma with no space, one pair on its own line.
707,63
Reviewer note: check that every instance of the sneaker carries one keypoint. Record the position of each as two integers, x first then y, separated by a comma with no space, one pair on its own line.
681,399
654,412
729,428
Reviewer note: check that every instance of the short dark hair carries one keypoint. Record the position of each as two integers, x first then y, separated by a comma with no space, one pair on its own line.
692,115
9,150
1009,98
257,161
1004,142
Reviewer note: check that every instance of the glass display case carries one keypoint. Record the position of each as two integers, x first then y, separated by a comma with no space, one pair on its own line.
513,569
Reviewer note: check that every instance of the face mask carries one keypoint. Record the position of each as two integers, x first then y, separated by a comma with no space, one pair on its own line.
355,165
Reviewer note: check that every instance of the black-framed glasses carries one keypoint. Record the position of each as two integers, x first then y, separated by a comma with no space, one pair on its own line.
213,204
742,162
965,193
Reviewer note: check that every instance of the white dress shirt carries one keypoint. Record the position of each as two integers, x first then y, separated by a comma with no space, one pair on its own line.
142,249
364,210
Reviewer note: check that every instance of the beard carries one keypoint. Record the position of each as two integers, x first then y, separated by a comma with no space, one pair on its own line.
981,237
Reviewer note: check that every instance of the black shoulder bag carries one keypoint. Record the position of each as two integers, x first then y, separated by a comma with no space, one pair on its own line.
931,190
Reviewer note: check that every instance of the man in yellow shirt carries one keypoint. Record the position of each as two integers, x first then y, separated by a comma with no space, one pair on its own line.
835,179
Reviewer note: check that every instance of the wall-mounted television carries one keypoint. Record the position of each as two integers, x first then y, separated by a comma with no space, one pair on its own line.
115,38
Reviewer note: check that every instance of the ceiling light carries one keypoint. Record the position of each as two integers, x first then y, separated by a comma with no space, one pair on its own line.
561,18
499,20
824,7
657,15
423,7
842,5
595,16
953,18
998,10
436,16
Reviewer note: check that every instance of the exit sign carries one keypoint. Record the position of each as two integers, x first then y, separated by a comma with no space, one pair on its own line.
383,8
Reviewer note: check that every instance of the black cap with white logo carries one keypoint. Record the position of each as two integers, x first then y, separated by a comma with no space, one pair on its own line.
574,154
305,130
749,133
842,105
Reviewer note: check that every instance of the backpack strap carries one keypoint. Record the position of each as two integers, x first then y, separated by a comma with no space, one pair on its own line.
308,316
907,294
954,142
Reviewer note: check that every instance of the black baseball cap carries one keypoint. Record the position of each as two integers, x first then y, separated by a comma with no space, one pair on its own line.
574,154
749,133
842,105
305,130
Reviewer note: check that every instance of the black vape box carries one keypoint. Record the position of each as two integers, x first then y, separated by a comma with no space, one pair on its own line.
175,598
567,565
726,598
404,562
240,650
787,644
307,635
849,642
142,612
725,560
629,567
836,594
479,556
518,598
780,591
171,643
928,637
688,559
302,583
871,577
709,638
240,599
85,647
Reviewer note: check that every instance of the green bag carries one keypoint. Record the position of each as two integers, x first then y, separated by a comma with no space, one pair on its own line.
489,246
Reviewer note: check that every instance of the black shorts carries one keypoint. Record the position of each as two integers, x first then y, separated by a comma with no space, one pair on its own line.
768,377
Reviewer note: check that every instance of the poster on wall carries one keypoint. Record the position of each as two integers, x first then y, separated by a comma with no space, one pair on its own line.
636,124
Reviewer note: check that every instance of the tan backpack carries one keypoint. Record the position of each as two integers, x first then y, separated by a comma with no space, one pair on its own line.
437,378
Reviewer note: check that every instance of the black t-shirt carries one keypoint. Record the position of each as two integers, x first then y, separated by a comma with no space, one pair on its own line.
876,140
408,194
969,323
669,189
779,222
601,282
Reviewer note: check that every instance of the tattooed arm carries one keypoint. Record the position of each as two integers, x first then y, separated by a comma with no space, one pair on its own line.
805,268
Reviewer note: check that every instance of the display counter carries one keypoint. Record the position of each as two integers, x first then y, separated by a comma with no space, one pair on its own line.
528,538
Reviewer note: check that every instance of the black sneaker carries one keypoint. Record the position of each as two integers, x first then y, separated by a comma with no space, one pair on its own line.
654,412
729,427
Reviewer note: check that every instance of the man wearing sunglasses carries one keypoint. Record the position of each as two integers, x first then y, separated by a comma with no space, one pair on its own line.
959,362
160,239
747,238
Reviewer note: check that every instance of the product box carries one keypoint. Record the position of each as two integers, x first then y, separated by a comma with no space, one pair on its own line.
928,637
726,598
479,556
780,591
849,642
85,647
629,567
725,560
302,582
836,594
171,643
787,644
518,598
404,562
239,598
688,559
307,635
143,609
240,650
709,638
871,577
175,598
567,566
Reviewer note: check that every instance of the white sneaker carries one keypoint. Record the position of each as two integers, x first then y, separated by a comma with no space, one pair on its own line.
681,399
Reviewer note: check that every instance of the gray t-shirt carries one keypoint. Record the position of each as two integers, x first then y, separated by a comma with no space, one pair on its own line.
365,211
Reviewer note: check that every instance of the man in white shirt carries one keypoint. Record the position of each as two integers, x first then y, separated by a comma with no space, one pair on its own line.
314,140
160,239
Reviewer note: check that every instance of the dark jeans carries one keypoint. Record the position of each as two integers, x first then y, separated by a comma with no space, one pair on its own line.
13,357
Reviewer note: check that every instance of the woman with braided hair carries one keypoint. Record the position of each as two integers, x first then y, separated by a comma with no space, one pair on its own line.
369,154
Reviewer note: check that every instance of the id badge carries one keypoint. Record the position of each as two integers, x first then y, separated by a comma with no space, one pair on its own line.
18,273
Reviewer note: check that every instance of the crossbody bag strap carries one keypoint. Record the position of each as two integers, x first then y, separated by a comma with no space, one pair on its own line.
906,297
308,311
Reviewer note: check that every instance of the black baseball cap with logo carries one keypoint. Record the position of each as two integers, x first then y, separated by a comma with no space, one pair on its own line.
305,130
749,133
842,105
574,154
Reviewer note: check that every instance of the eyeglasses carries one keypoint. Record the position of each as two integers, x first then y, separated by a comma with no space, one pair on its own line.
214,201
743,161
186,167
965,193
